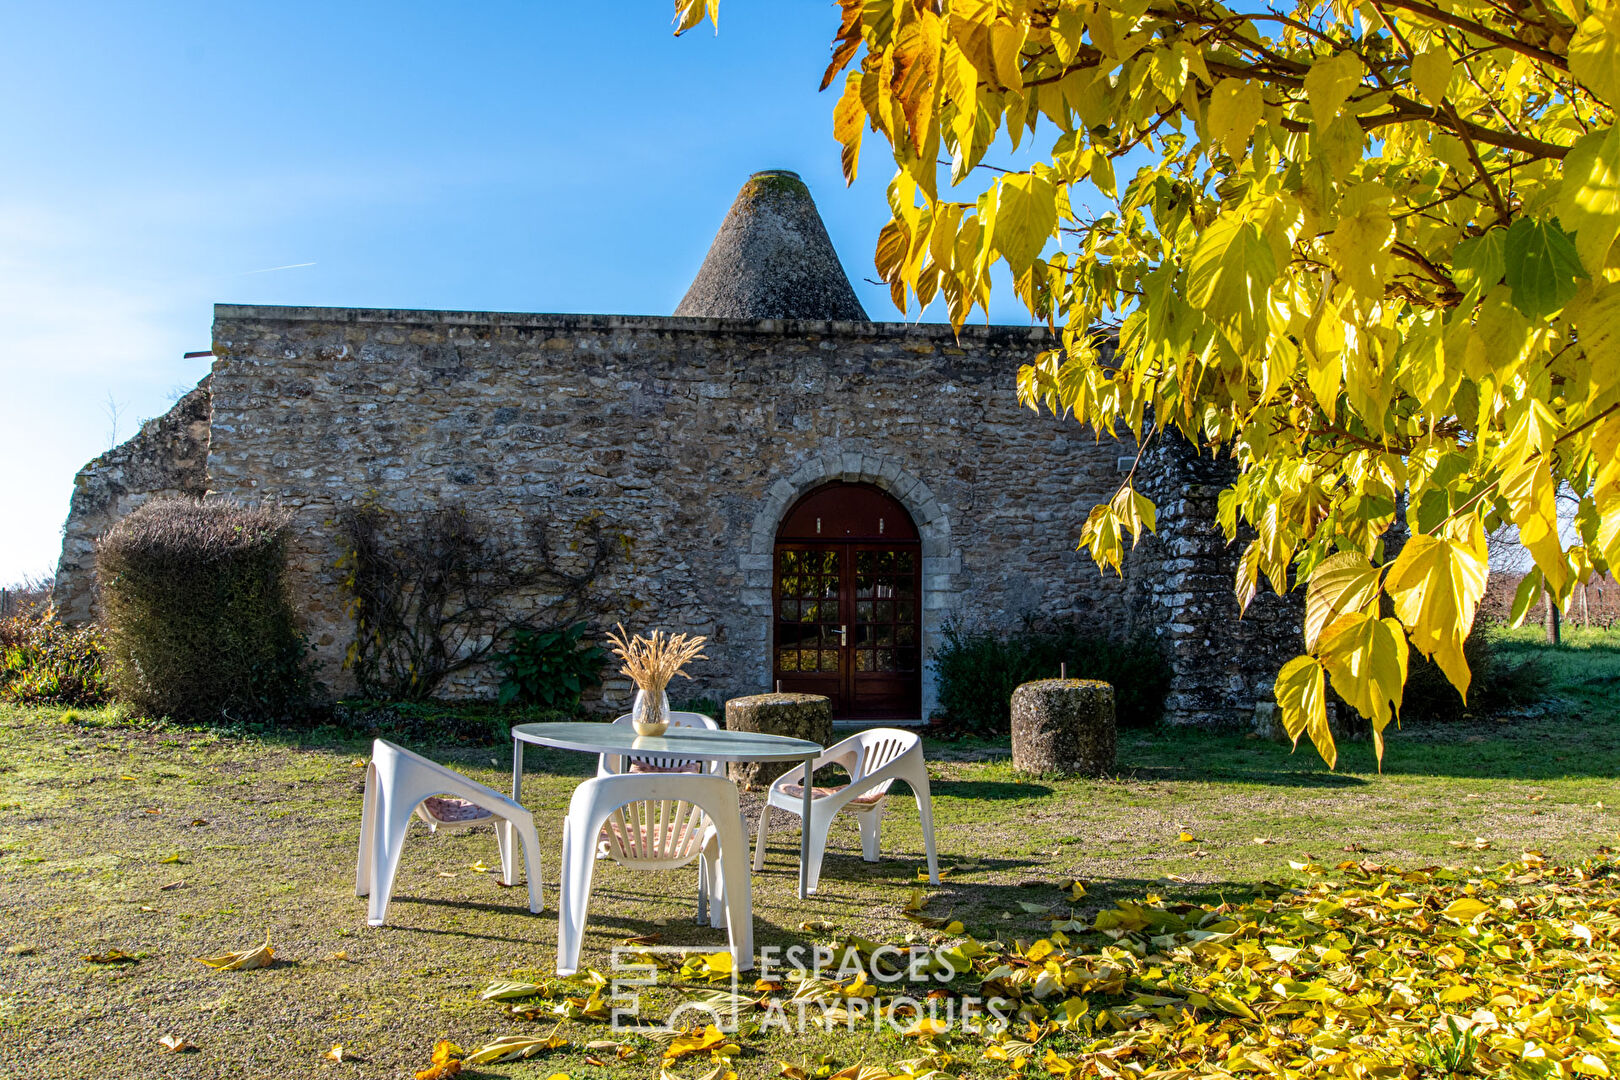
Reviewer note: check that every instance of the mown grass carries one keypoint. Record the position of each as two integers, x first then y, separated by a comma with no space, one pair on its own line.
172,843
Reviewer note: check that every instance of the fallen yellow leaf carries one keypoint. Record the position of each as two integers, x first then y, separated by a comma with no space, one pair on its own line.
446,1061
692,1042
1465,909
1187,838
515,1048
173,1044
246,960
478,868
112,956
864,1072
917,902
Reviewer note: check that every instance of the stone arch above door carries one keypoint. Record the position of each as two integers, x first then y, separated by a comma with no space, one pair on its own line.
941,561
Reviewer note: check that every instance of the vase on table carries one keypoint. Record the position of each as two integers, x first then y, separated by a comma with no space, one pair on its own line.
650,715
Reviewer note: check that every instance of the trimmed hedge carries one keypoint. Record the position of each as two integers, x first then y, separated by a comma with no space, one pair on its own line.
978,670
198,621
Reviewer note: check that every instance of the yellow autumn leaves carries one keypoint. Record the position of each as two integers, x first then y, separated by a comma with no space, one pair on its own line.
245,960
1434,586
1359,971
1373,263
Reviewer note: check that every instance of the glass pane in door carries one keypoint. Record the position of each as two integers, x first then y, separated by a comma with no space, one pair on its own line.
807,640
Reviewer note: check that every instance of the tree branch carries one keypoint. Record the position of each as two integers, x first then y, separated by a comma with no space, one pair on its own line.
1480,30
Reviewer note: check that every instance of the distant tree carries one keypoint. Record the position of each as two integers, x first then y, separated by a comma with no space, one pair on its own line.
1365,249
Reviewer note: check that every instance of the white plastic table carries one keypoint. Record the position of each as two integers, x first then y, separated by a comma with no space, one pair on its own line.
696,744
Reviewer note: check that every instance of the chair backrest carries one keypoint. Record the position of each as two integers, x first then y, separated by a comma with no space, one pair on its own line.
416,777
679,719
654,819
876,748
616,763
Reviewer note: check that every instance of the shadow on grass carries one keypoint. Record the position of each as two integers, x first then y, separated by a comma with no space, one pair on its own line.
1571,742
519,906
1265,777
989,790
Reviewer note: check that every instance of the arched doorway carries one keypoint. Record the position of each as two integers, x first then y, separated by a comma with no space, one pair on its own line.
847,603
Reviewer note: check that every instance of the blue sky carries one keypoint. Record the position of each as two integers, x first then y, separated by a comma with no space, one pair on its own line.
502,156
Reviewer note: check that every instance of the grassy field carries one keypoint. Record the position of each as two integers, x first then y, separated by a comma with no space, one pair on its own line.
172,843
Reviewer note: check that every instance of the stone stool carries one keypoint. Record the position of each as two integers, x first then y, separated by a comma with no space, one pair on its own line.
798,716
1063,726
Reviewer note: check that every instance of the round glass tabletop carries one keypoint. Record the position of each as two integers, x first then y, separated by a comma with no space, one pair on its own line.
699,744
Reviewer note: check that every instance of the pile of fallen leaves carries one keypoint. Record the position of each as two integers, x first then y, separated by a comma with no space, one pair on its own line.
1365,971
1372,972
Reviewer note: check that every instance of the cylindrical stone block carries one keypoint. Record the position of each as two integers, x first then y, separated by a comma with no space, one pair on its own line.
1063,726
798,716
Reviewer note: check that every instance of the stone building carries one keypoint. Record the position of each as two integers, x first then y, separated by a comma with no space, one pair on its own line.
816,492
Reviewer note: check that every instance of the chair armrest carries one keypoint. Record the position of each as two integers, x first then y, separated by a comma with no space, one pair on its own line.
794,775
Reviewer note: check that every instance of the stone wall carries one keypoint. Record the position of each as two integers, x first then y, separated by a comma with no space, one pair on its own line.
168,456
1179,586
691,435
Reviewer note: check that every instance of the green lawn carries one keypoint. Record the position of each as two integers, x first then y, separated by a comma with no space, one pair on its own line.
172,843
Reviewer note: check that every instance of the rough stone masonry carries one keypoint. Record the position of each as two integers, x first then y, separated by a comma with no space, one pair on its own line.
693,436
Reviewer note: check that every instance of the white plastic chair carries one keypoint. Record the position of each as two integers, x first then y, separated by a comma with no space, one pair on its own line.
619,764
400,783
874,759
658,821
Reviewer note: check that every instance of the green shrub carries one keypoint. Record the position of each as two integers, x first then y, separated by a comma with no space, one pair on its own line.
45,662
438,723
549,668
978,670
1497,683
199,624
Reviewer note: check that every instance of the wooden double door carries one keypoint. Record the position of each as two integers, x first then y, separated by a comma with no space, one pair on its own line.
848,625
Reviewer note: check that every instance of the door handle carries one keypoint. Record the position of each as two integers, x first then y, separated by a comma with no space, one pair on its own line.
843,636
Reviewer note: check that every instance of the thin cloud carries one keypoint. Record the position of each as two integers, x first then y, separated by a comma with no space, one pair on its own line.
273,269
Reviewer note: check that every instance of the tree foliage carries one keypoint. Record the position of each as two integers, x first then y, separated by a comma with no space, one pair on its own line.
1367,249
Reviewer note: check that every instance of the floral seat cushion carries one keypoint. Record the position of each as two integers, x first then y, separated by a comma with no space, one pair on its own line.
448,810
640,766
868,798
636,840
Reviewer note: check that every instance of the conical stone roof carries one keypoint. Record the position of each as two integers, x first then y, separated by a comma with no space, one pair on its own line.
772,259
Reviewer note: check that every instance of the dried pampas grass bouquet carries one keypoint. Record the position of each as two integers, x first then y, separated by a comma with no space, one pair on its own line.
651,662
